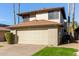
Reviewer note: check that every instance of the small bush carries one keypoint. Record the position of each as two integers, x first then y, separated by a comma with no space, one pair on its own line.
9,37
1,45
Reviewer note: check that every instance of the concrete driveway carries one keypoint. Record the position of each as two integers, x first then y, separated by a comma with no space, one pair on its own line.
19,49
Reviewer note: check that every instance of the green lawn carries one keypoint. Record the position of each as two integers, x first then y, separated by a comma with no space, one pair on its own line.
56,51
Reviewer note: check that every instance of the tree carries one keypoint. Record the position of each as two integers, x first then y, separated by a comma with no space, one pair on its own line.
75,26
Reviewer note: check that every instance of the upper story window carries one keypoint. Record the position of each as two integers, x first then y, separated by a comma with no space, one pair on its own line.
25,18
53,15
30,17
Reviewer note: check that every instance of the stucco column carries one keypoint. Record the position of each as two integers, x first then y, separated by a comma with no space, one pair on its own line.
52,37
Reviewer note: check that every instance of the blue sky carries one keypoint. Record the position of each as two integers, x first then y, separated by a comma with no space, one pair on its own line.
6,10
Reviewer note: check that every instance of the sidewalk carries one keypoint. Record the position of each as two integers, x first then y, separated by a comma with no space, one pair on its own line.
71,45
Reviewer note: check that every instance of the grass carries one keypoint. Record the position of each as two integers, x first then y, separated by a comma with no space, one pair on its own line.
56,51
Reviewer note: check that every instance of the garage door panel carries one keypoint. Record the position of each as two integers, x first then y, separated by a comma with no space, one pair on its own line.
33,37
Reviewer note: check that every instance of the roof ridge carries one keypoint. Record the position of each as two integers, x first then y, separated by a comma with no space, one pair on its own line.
43,11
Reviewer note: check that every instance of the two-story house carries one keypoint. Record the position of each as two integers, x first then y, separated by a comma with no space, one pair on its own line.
43,27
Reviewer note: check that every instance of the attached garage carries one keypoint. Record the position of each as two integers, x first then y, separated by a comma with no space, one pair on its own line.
46,34
33,36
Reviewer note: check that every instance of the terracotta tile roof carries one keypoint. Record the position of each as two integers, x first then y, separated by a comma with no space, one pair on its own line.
4,29
35,23
43,11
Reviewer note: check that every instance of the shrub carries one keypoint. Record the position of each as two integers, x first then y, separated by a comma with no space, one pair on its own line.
1,45
9,37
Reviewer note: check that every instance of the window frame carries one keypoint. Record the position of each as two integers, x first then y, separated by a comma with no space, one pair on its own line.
52,13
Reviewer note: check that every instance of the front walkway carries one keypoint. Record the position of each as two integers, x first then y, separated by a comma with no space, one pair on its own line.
19,49
71,45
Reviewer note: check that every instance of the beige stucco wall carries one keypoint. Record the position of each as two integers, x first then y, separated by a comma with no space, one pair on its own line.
53,37
43,16
40,36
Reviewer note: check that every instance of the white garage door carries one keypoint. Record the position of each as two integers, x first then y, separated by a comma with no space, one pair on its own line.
33,37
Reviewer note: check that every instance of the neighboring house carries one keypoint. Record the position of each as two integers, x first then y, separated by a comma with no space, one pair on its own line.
42,27
4,25
3,30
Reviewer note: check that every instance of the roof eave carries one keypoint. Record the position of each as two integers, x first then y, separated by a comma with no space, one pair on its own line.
16,27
